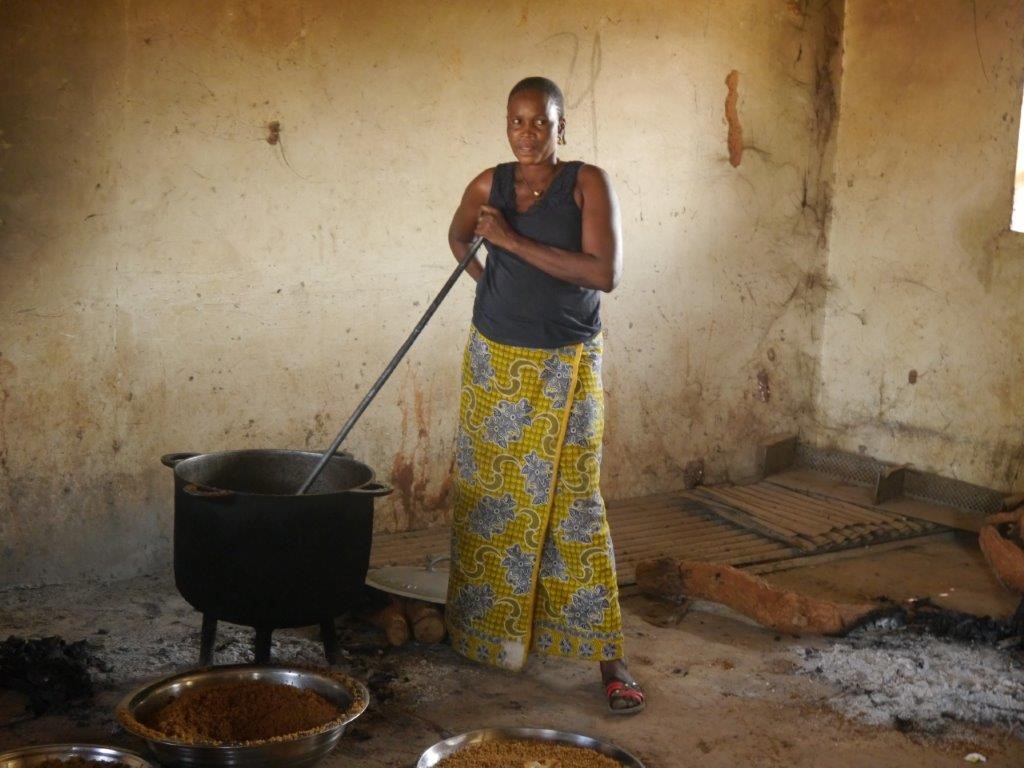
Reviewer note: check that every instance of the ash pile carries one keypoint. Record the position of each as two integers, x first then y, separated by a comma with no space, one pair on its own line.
926,670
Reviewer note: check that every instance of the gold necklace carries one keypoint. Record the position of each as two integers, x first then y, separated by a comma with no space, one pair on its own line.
537,192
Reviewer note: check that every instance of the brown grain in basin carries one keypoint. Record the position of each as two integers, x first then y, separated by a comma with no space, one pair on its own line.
526,754
243,712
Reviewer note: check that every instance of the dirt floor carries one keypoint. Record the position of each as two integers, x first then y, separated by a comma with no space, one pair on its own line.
722,691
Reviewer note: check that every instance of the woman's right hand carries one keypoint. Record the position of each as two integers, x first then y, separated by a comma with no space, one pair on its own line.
493,227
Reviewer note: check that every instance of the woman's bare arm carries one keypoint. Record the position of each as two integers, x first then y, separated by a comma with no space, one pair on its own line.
462,229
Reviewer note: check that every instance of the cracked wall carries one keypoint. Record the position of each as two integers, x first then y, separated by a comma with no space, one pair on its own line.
218,221
923,348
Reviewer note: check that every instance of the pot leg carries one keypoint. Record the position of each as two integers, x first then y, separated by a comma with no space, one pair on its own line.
1017,620
329,636
262,648
206,639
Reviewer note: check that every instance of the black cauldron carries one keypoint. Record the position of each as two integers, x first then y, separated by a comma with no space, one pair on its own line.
249,551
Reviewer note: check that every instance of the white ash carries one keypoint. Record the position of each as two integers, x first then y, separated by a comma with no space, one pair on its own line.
154,653
918,682
140,629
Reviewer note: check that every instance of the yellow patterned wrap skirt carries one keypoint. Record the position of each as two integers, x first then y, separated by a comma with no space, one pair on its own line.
532,562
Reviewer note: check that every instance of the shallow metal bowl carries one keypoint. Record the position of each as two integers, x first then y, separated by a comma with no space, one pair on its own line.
29,757
443,749
284,752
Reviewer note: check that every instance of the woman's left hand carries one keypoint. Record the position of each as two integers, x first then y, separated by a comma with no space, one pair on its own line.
492,226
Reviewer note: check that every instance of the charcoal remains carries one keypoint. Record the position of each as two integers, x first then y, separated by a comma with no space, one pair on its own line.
923,616
53,674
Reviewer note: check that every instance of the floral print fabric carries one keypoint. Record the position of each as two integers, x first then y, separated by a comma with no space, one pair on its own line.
532,562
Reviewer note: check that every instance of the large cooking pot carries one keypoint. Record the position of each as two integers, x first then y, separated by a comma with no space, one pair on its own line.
248,550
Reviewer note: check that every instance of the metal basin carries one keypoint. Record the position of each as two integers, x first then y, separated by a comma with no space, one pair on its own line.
443,749
305,749
29,757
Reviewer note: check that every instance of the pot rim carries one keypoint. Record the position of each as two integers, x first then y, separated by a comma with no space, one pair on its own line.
371,486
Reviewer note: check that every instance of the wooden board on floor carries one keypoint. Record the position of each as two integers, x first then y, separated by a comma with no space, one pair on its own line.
844,554
812,482
689,532
936,513
760,526
671,525
810,522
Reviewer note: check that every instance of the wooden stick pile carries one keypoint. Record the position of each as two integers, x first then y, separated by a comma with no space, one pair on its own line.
404,619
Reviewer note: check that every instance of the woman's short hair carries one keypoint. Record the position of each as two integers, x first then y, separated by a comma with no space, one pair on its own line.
545,86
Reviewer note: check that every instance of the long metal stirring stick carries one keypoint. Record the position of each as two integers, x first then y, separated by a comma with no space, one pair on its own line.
474,246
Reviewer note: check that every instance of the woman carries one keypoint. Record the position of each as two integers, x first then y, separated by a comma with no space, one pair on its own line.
532,560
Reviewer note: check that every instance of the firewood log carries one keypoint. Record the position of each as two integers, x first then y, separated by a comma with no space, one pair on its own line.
426,621
391,619
1012,517
1004,557
753,597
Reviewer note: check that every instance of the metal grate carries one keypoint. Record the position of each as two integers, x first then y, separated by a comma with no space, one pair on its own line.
952,493
923,486
807,522
846,466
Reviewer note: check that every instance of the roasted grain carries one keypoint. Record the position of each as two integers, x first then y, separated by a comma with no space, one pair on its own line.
243,712
526,754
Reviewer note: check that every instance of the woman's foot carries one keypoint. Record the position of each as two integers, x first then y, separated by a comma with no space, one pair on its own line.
625,696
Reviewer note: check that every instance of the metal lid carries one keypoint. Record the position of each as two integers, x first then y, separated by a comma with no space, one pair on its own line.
426,583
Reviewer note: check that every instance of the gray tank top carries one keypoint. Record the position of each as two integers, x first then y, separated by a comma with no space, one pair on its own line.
518,304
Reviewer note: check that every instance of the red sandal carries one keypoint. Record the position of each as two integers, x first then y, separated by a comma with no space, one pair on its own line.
617,690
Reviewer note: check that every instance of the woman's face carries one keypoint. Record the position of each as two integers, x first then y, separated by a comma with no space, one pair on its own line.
533,127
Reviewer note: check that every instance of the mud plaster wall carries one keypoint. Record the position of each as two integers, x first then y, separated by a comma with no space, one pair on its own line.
170,280
925,278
